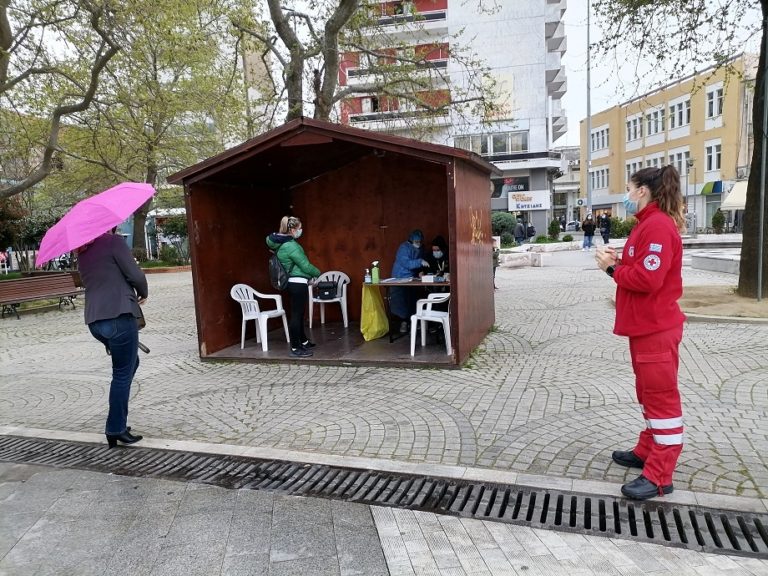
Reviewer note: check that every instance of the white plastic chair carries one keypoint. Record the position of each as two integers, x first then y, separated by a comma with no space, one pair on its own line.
247,297
342,280
425,313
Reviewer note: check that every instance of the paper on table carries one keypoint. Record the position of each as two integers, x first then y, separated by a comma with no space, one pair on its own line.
386,280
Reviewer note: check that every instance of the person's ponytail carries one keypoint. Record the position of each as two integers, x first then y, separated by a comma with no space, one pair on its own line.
669,196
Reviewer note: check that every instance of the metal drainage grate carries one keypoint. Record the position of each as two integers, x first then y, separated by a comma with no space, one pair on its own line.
692,527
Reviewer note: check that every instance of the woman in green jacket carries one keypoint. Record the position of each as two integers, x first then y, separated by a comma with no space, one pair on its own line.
300,271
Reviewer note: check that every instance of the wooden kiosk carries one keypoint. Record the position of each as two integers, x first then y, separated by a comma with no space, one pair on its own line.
358,194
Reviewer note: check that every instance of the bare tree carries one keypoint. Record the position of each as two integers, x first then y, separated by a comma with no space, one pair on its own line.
51,57
675,35
308,47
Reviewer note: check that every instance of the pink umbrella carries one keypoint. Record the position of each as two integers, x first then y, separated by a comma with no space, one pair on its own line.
91,217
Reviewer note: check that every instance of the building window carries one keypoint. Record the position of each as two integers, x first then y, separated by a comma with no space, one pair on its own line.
598,178
493,144
518,141
655,162
680,161
634,129
499,143
715,103
599,139
633,167
712,153
680,114
654,122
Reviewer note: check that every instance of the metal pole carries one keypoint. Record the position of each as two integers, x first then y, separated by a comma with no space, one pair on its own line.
687,170
589,119
763,166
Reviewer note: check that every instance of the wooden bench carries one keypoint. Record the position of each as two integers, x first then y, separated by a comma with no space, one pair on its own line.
14,292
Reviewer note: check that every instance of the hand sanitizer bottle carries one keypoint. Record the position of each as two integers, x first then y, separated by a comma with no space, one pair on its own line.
375,272
367,279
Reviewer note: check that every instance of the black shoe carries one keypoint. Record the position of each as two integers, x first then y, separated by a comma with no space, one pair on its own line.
628,459
126,438
308,344
301,352
641,489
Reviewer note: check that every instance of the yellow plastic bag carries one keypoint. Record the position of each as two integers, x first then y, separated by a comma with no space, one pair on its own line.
373,318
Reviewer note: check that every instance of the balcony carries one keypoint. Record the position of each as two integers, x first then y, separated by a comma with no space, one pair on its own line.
397,119
364,73
433,16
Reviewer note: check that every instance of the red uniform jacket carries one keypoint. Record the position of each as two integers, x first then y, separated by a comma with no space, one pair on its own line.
649,278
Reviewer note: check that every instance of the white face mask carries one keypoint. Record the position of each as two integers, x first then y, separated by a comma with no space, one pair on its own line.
437,253
297,234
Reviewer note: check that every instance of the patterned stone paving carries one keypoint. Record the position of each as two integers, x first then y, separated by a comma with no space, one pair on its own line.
550,391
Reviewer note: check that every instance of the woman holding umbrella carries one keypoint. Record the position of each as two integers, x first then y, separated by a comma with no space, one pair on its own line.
115,287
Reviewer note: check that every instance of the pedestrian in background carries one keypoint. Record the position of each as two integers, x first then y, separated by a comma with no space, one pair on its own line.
519,232
588,226
300,271
648,285
495,257
115,287
605,228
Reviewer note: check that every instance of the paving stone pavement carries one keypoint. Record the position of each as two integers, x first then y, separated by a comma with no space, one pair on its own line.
74,523
549,392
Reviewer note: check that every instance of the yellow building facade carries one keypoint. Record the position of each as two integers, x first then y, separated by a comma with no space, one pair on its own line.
701,124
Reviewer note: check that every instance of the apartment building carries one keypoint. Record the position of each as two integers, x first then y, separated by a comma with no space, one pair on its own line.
522,43
702,124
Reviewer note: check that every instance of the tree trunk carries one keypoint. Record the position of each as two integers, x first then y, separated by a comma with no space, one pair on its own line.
6,40
294,86
749,246
140,216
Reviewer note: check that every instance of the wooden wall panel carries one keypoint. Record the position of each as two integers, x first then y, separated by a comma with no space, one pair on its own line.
472,285
227,228
364,211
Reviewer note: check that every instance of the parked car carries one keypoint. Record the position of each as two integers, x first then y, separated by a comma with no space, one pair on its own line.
573,226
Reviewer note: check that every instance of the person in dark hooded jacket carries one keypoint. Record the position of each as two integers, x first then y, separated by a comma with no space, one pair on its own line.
437,257
300,271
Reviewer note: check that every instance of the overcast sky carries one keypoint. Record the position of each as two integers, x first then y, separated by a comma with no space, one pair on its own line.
612,83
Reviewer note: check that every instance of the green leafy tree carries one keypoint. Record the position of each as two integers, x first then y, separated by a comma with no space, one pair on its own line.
169,100
175,229
502,222
718,221
673,36
554,230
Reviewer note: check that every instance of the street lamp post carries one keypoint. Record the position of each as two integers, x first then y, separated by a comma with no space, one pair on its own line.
688,164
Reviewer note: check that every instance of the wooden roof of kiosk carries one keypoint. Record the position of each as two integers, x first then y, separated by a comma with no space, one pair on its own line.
358,194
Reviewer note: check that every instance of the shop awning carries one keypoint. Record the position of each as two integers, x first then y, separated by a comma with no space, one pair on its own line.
715,187
737,197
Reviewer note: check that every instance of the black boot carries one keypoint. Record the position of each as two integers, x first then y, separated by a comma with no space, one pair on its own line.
126,438
628,459
641,489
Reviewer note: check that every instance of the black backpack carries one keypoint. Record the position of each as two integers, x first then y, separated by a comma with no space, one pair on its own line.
531,232
278,275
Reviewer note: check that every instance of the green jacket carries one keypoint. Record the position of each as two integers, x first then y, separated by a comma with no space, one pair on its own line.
292,256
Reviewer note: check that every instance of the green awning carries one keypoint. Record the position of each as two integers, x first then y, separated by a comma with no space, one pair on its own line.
715,187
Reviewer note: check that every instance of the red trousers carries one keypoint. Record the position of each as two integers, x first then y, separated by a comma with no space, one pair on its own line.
655,360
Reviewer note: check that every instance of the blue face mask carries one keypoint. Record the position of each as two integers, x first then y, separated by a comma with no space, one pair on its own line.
299,232
630,205
437,254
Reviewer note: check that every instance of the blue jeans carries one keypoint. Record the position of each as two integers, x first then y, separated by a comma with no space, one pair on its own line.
121,337
588,241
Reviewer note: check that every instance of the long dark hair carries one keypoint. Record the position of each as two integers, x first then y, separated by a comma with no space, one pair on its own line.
664,184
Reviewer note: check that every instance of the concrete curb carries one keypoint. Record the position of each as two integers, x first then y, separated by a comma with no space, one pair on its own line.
591,487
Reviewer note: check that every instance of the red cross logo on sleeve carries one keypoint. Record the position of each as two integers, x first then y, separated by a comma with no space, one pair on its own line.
652,262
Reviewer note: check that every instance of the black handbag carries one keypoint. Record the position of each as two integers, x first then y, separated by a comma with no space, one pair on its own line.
326,290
